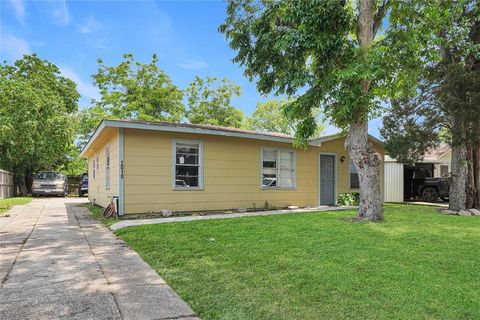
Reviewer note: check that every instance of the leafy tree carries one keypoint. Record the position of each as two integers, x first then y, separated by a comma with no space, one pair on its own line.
270,117
436,88
37,106
210,102
74,165
135,91
326,53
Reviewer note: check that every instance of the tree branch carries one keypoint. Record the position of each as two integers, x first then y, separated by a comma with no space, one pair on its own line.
379,15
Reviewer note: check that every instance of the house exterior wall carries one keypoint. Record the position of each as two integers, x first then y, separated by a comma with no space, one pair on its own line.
97,191
232,171
444,160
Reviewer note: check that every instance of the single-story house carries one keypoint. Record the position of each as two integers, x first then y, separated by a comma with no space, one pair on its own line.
150,166
437,161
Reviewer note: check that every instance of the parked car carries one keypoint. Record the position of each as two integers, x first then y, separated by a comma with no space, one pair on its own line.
50,183
83,185
419,184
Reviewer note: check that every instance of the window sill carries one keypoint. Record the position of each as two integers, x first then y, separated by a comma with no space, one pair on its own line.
278,188
188,189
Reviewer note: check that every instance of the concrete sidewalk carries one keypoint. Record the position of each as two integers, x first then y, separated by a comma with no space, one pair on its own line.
56,262
140,222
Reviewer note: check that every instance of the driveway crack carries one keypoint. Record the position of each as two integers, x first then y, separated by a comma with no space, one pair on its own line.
98,264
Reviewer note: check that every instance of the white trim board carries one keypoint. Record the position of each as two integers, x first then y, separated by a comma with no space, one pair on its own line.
121,173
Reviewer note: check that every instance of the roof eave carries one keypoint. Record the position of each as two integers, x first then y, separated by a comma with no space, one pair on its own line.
148,126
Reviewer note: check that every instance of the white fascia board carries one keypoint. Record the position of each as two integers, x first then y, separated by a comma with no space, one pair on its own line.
95,135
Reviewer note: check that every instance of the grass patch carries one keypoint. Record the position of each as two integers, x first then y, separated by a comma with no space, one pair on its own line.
417,264
96,212
6,204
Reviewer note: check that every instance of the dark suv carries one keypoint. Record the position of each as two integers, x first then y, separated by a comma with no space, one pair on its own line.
419,184
83,185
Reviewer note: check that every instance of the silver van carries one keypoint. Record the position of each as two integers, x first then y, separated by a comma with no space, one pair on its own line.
50,183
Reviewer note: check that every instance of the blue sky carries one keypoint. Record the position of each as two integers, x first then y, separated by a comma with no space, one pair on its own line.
74,34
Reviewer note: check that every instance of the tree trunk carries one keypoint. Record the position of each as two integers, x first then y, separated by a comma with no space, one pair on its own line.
367,161
29,180
476,174
457,197
470,185
365,158
20,185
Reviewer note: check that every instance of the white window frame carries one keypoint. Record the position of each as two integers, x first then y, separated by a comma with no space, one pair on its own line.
350,177
200,163
94,171
107,167
294,176
97,161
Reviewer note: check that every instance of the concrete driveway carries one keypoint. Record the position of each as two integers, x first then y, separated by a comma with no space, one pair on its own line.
57,263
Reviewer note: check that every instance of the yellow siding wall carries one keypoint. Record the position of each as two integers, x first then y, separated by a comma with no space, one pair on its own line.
231,174
96,186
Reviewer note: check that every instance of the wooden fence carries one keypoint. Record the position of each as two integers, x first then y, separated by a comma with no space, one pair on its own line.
6,184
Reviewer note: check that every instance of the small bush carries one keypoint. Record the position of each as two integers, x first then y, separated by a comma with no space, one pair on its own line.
356,196
347,199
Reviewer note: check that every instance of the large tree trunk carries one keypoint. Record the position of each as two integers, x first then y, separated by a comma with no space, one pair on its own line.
367,161
457,197
472,183
365,158
476,174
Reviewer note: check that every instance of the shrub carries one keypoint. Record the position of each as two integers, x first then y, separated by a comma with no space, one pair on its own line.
347,199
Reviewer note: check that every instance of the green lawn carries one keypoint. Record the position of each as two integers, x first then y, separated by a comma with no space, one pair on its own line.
6,204
418,264
96,212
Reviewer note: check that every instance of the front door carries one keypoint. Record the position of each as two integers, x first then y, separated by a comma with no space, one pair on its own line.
327,179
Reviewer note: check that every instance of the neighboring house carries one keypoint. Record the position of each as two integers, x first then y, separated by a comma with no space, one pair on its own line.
152,166
436,161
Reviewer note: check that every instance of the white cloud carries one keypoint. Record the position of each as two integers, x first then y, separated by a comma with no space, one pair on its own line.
59,12
19,9
89,26
86,89
193,64
13,47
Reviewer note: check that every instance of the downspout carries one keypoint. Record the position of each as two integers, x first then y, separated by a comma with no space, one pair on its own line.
121,193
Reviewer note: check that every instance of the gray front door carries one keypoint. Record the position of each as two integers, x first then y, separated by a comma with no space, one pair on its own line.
327,179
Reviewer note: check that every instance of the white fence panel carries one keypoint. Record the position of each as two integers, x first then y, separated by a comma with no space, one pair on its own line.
393,182
6,184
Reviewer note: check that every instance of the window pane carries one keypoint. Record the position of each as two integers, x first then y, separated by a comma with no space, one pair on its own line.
354,181
352,167
187,176
269,164
269,171
187,154
269,155
269,180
